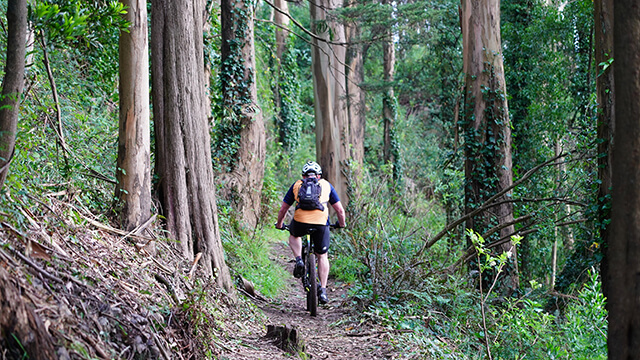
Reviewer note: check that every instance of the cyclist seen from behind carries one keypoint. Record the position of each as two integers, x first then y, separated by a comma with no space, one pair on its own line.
311,216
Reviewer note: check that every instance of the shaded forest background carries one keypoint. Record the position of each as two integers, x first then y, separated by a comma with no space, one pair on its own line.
411,258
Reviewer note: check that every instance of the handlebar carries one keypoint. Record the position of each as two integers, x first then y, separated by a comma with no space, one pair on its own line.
287,227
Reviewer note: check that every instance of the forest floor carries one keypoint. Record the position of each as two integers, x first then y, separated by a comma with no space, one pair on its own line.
335,333
73,287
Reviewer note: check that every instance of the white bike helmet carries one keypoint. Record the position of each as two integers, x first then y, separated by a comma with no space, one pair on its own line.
311,167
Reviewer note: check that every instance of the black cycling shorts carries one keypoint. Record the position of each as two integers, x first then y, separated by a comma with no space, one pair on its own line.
319,234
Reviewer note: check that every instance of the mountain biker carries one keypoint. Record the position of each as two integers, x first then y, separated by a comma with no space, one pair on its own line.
313,222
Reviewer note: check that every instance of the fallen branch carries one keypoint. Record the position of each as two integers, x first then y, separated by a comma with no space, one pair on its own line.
110,229
32,264
166,283
373,333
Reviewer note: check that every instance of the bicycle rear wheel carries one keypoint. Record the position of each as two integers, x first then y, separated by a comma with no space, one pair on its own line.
312,294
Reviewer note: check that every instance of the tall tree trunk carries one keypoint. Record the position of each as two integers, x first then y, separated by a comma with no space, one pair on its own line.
389,112
12,83
282,21
603,10
329,87
133,173
624,241
183,142
239,92
355,102
488,167
286,86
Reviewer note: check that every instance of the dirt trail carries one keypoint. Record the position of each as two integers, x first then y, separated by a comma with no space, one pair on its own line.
330,335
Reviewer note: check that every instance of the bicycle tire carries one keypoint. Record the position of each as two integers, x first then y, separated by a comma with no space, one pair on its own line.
312,294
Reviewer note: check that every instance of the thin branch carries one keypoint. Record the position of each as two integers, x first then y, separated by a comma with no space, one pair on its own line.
487,204
470,253
507,224
301,27
54,92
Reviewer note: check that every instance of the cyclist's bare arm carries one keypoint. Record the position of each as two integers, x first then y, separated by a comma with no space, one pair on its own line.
282,212
340,213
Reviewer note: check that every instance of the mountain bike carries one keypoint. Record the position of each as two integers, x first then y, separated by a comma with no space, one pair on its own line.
310,281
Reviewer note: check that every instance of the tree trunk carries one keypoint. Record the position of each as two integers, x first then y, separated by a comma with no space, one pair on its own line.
603,10
356,105
487,130
13,82
246,170
329,87
389,112
21,330
133,173
624,241
283,22
182,133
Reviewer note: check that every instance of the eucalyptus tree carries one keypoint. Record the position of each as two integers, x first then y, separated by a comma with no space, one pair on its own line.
486,125
285,85
605,91
355,94
624,240
133,172
240,133
328,54
13,82
183,152
389,103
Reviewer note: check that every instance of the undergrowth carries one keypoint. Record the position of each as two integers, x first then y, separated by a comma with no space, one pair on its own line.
248,255
438,313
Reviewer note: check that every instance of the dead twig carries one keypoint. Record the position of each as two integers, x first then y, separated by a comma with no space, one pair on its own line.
195,265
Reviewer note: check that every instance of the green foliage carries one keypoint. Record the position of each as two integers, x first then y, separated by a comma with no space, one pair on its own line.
248,254
551,100
584,326
347,269
90,130
89,30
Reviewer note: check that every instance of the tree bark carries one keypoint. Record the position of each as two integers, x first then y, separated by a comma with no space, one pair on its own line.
244,180
355,102
20,326
389,112
329,87
283,22
488,167
624,241
182,133
13,82
133,172
603,10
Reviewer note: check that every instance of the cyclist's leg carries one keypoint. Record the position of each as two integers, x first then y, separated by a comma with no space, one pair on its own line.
321,241
295,243
323,268
296,230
